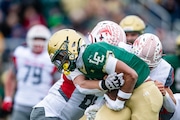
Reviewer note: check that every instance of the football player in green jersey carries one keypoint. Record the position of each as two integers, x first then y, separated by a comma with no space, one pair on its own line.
174,60
100,59
98,34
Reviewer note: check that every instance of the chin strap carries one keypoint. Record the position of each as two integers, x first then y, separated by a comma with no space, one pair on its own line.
65,68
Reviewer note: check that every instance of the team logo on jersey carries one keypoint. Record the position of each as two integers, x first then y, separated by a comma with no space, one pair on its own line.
97,59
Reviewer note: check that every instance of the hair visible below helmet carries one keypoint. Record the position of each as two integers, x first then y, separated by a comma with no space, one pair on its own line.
63,48
149,48
178,45
133,23
38,32
107,31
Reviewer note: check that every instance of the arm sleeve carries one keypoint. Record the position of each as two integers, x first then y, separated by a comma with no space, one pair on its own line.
111,64
74,74
96,92
168,103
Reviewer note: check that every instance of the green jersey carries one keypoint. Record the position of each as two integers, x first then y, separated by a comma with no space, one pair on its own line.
95,58
174,60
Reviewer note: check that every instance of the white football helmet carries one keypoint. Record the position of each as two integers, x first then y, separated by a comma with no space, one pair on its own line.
149,48
37,38
109,32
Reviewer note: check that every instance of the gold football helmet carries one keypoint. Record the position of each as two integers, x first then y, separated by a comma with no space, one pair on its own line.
132,23
63,48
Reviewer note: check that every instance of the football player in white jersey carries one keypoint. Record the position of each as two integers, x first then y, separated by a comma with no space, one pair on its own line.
93,61
148,47
134,26
32,74
68,102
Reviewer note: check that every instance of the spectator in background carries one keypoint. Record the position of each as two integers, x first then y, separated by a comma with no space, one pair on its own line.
174,60
172,7
31,17
11,25
55,21
2,46
31,76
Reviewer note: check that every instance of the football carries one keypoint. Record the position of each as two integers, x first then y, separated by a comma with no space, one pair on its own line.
112,94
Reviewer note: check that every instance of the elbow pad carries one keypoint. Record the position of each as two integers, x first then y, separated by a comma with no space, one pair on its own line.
96,92
168,103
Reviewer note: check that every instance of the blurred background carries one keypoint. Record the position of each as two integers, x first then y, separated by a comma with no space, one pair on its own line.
162,18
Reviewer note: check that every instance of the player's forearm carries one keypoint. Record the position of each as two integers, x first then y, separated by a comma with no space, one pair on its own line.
90,84
126,90
168,103
130,76
129,84
171,94
10,84
84,83
89,87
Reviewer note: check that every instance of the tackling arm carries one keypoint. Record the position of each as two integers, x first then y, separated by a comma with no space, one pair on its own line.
98,87
169,101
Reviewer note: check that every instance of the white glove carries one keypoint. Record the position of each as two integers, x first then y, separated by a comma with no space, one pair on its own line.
113,81
116,105
91,111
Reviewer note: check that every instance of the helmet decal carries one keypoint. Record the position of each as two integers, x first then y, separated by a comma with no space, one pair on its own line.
107,31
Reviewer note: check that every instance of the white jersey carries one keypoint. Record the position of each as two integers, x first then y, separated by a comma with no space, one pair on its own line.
34,75
127,47
163,73
65,101
176,115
